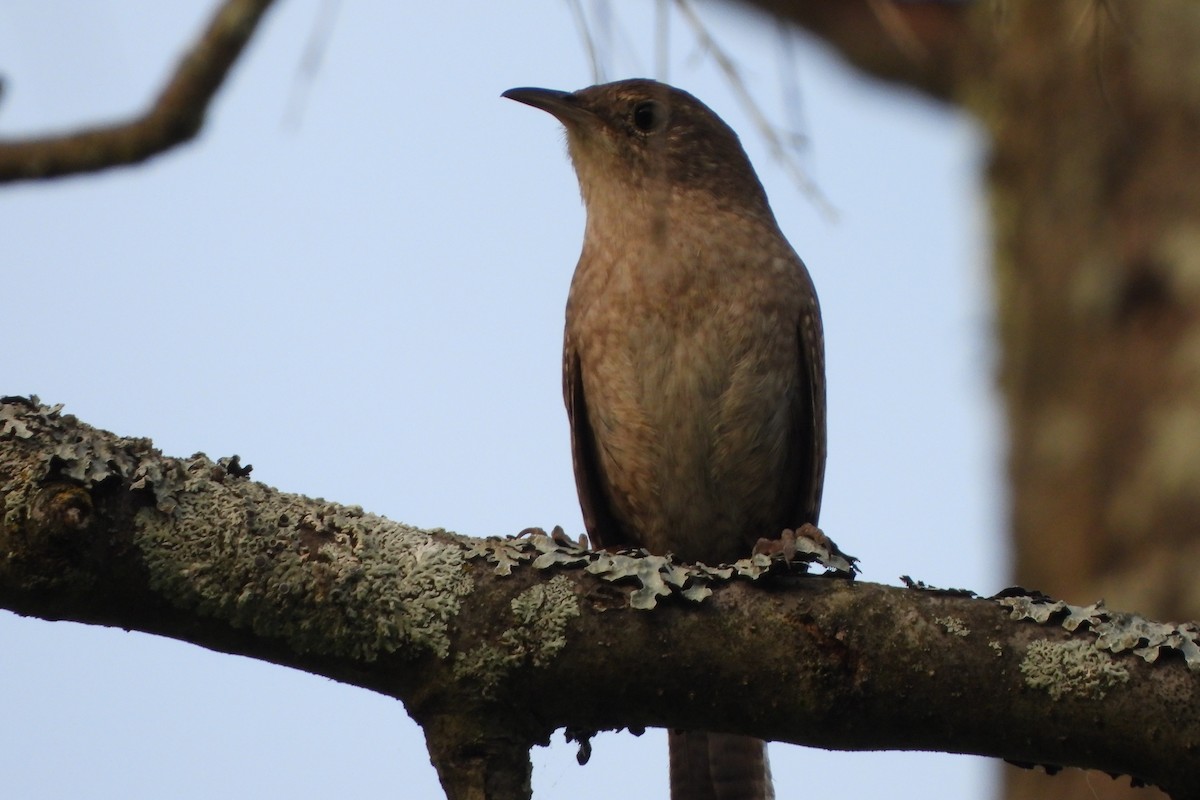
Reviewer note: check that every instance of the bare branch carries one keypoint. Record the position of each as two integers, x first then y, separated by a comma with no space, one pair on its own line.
175,117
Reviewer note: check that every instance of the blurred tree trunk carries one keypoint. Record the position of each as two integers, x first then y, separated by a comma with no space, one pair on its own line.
1094,112
1095,115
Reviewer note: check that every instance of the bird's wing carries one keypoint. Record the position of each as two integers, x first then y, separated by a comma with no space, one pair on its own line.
602,527
808,428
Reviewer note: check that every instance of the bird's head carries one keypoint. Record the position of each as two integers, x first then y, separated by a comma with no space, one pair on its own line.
642,135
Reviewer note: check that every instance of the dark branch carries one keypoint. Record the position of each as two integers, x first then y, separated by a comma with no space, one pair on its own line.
918,43
175,117
494,644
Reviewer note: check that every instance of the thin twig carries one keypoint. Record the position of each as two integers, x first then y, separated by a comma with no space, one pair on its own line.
310,62
618,39
589,44
662,39
779,151
793,100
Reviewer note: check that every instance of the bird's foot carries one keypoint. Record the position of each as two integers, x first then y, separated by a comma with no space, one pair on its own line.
813,546
558,536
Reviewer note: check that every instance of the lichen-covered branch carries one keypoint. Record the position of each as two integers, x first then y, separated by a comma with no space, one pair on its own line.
494,644
174,118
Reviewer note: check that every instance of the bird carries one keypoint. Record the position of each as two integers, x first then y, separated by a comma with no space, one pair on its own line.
693,358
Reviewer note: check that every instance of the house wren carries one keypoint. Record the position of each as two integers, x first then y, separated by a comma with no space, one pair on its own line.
693,360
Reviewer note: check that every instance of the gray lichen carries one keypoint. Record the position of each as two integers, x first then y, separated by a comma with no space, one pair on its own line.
1071,668
20,417
538,634
75,459
953,625
1114,631
328,579
484,666
656,576
325,578
541,613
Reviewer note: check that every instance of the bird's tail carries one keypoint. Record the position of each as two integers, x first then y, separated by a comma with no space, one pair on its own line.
718,766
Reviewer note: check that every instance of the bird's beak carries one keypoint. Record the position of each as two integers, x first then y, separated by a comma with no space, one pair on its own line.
563,105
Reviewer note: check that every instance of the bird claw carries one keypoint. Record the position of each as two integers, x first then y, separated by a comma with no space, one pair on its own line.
785,545
558,536
809,540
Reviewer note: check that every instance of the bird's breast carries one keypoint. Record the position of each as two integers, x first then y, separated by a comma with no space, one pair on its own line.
686,397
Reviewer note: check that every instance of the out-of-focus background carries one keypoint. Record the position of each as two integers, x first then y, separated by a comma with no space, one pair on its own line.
355,279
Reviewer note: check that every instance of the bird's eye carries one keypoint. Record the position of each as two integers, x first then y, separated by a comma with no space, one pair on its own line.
649,116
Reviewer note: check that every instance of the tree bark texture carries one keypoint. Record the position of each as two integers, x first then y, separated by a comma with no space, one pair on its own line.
494,644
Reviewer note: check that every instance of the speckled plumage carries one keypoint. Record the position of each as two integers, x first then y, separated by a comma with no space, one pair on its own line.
693,360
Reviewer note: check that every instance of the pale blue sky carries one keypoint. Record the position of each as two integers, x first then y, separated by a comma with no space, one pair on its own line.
367,306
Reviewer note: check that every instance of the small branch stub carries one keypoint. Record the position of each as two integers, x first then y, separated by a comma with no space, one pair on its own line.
473,765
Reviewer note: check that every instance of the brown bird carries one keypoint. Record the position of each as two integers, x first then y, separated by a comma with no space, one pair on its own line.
693,360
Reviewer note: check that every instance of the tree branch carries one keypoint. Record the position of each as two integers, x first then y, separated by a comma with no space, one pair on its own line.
919,43
174,118
494,644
